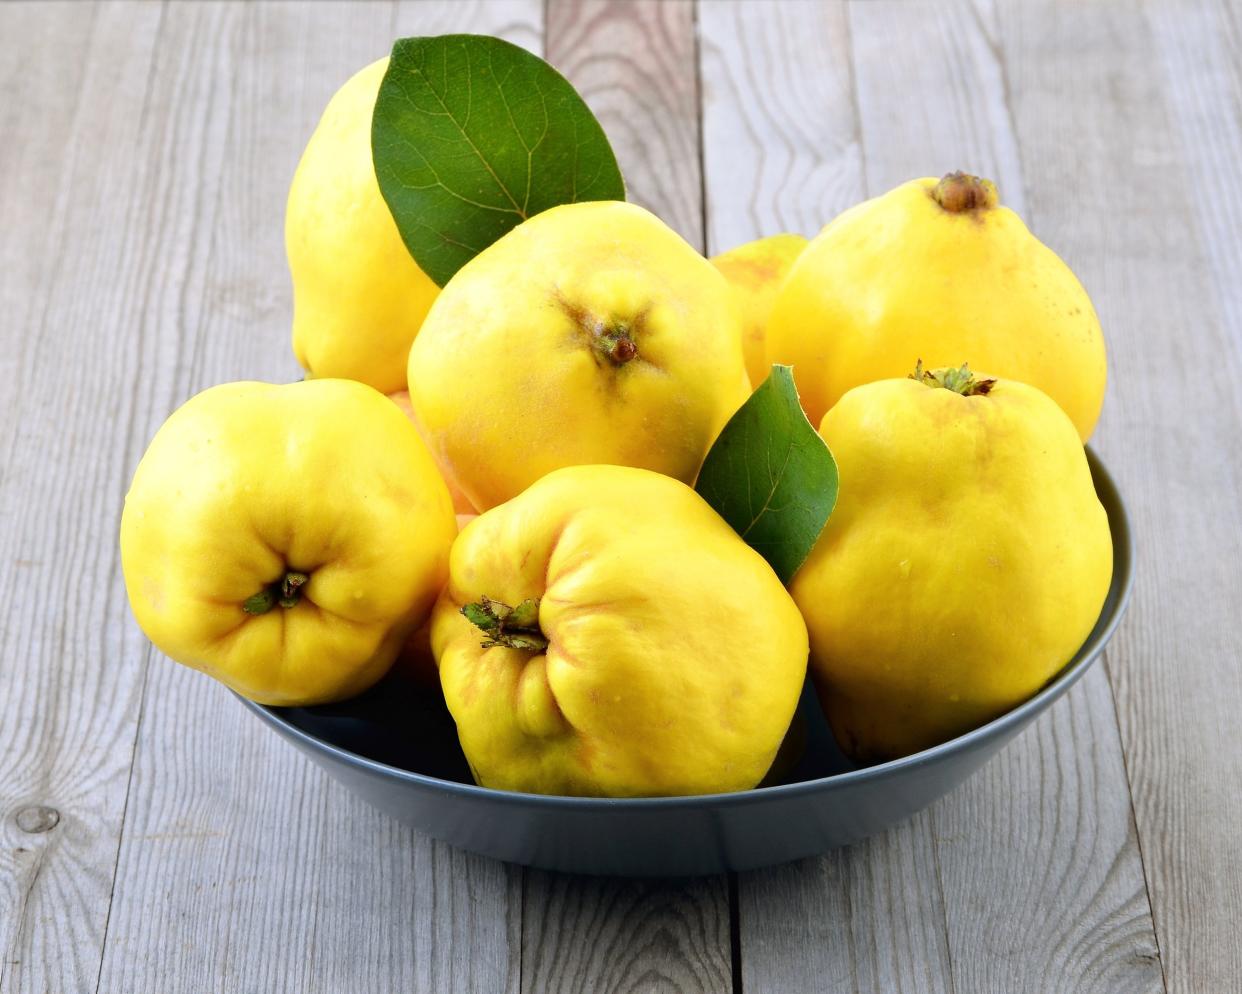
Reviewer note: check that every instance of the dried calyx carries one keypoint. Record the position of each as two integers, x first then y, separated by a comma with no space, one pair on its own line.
958,379
510,627
286,592
615,343
960,193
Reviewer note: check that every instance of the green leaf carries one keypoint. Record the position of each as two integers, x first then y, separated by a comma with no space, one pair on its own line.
511,627
771,476
472,135
481,616
525,615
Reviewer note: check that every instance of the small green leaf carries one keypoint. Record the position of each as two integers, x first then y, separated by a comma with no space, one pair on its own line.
472,135
525,615
520,640
481,617
510,627
771,476
259,603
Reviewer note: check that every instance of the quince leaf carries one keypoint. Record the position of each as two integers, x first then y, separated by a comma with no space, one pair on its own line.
771,476
470,136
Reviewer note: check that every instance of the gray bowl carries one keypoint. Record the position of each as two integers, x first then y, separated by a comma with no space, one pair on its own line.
397,748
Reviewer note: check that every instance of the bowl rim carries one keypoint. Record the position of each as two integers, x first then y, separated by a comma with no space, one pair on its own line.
1015,718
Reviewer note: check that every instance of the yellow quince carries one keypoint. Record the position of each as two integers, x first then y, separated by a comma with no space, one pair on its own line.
755,272
966,561
359,298
936,270
286,539
590,333
606,633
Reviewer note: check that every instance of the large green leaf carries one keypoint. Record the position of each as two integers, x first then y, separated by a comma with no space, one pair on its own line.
771,476
472,135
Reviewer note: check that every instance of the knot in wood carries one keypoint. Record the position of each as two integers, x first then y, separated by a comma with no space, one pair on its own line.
37,818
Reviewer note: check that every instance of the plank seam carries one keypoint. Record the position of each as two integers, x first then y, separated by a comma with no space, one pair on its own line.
1138,838
129,782
22,916
521,953
735,932
705,243
944,907
146,656
854,106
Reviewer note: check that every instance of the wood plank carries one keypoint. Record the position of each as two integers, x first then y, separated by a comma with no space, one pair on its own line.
780,135
1120,179
932,93
634,64
71,668
917,907
266,875
41,97
589,934
1200,50
1040,866
868,917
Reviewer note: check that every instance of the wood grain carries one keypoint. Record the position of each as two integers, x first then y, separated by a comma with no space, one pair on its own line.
933,94
1113,183
1039,862
635,65
605,936
1200,51
71,667
780,136
869,917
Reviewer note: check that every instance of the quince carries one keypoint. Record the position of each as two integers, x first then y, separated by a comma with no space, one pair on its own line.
590,333
966,561
607,633
755,272
286,539
936,270
359,298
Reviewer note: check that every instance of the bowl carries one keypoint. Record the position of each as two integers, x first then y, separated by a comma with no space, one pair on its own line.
396,747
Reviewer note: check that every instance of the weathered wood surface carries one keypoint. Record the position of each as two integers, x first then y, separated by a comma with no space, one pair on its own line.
1125,176
84,384
154,838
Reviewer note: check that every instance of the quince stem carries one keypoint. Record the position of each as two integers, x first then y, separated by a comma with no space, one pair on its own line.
286,592
960,380
510,627
615,343
960,193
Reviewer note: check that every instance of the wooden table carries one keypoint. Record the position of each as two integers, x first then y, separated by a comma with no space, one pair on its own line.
154,838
